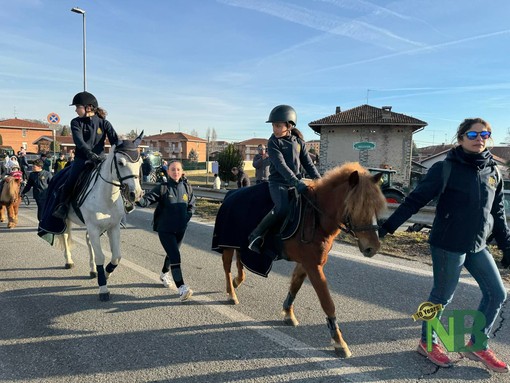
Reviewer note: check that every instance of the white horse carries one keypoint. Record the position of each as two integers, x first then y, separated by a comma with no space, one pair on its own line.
116,180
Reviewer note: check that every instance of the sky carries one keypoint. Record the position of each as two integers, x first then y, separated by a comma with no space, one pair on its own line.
194,65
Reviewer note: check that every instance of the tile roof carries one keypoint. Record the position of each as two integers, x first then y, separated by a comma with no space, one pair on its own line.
18,123
175,136
367,115
253,142
501,152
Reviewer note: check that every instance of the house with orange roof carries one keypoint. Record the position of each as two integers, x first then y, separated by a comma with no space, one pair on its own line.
19,133
176,145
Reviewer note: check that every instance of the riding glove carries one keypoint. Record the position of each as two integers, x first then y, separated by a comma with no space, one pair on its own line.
91,156
300,186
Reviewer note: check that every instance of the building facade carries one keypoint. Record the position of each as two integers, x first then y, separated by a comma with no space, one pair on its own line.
374,137
177,145
22,133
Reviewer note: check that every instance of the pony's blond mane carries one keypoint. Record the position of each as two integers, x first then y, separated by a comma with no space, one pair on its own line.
361,202
10,191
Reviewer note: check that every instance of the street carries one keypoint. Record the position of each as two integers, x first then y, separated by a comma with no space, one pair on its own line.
53,328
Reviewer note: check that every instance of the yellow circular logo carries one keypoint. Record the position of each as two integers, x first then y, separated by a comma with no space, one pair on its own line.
492,182
185,198
427,311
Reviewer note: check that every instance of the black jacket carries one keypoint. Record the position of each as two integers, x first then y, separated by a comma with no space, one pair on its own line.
176,205
89,134
39,181
287,155
469,209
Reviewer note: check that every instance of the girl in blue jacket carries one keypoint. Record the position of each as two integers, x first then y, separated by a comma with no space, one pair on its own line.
470,207
176,205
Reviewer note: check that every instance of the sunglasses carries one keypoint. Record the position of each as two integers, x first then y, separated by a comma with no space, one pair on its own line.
473,135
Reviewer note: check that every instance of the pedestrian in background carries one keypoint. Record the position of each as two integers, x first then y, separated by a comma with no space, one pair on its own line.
176,205
70,158
261,164
146,168
470,206
46,162
38,180
243,180
60,163
216,182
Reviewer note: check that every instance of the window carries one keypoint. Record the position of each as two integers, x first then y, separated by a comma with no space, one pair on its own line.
23,132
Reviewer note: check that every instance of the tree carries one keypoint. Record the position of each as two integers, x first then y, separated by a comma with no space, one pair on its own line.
65,131
193,133
415,150
227,159
193,155
131,135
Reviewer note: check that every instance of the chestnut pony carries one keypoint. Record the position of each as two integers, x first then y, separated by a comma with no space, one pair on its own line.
10,198
347,198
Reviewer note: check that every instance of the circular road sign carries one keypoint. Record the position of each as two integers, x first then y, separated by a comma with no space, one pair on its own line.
53,118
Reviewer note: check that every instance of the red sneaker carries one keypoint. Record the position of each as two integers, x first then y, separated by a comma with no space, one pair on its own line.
488,358
437,355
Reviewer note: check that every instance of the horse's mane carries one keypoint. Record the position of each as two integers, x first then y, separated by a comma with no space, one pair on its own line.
362,201
10,191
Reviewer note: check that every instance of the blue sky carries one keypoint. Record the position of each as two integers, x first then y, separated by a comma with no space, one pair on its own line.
183,65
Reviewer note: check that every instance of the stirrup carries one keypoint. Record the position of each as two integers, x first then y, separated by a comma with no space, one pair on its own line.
255,246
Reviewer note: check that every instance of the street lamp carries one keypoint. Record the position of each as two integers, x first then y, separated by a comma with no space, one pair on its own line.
82,12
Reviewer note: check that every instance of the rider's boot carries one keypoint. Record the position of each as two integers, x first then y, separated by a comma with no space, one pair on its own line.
62,208
256,238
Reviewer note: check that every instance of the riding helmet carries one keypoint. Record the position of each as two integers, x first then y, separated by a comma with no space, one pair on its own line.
283,113
85,98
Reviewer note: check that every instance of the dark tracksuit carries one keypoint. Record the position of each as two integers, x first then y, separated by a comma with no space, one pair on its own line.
89,135
39,181
287,155
176,205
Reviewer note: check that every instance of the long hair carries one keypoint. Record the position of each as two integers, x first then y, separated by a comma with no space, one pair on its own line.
296,132
100,112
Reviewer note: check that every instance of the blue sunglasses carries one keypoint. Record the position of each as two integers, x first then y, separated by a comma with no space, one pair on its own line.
473,135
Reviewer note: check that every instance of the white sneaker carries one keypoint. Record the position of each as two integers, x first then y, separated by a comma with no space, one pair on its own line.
185,293
165,278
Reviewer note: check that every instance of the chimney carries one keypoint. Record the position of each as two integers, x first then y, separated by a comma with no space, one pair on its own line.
338,110
386,112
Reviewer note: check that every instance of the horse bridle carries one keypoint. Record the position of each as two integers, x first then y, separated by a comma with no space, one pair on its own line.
345,226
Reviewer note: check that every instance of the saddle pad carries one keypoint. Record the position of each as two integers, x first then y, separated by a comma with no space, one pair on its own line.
241,211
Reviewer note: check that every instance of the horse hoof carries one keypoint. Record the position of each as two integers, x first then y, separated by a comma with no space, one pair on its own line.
69,265
342,352
93,274
233,301
104,297
291,321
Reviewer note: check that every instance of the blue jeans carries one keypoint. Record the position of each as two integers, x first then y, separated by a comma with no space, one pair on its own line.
447,267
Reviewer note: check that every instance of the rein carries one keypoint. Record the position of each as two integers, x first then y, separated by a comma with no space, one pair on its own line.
346,226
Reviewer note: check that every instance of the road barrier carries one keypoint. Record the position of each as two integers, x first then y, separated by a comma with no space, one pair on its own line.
425,216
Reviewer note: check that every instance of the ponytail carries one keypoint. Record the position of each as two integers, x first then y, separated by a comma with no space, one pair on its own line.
297,133
100,112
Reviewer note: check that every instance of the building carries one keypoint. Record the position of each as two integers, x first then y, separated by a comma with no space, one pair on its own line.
22,133
176,145
64,144
315,145
249,148
374,137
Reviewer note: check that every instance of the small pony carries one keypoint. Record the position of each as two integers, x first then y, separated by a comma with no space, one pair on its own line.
347,198
10,198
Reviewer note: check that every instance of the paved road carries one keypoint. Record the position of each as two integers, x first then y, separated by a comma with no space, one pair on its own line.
53,328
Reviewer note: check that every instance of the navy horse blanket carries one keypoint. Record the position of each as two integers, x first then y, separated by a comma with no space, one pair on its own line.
241,211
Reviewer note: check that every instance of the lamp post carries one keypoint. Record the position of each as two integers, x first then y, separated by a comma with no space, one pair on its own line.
82,12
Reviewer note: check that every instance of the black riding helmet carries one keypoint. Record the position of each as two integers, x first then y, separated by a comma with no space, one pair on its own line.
85,98
283,113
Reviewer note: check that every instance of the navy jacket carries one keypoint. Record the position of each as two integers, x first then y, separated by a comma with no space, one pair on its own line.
89,134
175,206
39,181
469,209
287,155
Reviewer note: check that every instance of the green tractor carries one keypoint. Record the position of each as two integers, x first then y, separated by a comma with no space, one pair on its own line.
393,193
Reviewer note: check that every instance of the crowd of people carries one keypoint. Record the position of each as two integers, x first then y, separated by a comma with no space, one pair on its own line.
470,207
